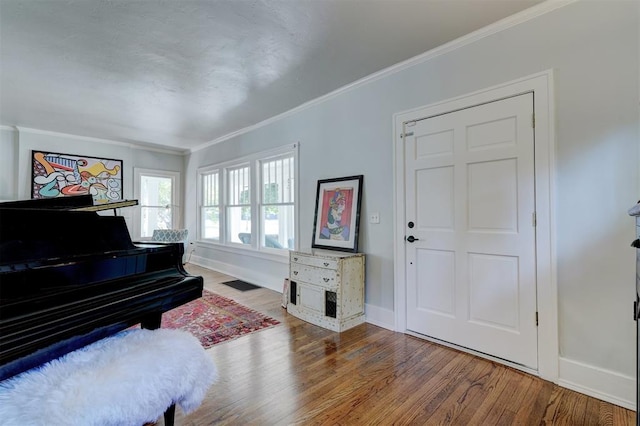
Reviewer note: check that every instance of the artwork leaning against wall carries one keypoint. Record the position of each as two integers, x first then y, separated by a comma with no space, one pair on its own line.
337,217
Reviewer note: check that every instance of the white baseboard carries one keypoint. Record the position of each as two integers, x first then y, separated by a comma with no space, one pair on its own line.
260,278
599,383
379,316
373,315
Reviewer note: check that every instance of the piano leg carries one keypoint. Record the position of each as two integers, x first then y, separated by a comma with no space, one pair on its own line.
169,415
151,321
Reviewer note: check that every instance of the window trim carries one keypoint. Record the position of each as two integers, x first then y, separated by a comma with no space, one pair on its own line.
259,198
175,197
254,162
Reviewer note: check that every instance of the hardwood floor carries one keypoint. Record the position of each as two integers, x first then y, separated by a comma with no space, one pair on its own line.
300,374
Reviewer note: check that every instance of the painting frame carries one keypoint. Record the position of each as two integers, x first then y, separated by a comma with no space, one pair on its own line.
336,220
55,174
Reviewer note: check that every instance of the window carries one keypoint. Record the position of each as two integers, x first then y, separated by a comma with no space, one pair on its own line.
253,196
238,208
157,195
277,206
210,210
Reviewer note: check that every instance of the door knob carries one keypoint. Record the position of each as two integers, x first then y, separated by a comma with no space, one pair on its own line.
411,238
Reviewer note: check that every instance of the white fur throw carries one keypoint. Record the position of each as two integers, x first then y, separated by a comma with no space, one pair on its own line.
130,378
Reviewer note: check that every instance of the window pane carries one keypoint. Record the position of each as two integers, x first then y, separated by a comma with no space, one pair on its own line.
154,218
277,181
210,189
239,224
210,209
211,223
239,185
278,225
155,191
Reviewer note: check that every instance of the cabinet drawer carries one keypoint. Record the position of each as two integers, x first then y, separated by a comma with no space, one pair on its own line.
319,262
313,275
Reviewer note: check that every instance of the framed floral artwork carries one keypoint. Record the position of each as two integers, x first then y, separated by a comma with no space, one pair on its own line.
337,215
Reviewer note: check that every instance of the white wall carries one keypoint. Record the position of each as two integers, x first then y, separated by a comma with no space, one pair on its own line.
593,49
15,161
8,164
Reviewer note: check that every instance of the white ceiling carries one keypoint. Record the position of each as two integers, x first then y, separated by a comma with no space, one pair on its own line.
181,73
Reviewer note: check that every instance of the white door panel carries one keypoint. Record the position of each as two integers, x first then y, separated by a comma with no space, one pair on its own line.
470,194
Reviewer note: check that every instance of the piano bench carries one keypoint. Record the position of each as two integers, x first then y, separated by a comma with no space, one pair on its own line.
131,378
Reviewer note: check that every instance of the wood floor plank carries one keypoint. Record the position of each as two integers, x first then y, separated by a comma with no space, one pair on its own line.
300,374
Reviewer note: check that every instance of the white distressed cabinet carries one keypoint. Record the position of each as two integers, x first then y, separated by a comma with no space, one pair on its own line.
327,290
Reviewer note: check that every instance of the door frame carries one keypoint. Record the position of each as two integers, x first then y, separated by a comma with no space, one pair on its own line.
541,84
176,196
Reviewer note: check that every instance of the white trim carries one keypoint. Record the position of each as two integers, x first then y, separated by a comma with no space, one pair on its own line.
374,314
547,292
257,277
272,152
597,382
199,201
296,173
280,256
379,316
176,197
501,25
131,145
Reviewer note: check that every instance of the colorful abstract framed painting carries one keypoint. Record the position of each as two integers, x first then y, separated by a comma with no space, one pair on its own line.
337,216
66,175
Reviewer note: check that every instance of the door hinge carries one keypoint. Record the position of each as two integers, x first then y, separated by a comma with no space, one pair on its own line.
533,120
536,318
534,219
408,124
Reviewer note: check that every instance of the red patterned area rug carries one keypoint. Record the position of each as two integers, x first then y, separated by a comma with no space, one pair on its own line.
215,319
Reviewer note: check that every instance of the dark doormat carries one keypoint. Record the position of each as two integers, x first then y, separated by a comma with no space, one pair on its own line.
241,285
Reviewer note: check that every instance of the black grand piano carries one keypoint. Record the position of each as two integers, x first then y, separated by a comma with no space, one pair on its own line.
69,277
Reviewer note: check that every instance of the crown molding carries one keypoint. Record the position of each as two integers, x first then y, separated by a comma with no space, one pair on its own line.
501,25
129,145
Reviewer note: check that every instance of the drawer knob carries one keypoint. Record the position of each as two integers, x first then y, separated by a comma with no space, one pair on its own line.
295,272
326,264
326,280
295,258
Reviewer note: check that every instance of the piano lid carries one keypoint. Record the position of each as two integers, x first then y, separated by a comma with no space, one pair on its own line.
58,203
78,203
46,229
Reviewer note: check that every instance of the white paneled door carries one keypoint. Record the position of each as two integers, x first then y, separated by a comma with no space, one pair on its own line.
470,209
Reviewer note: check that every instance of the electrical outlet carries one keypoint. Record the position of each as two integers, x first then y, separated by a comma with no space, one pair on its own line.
374,218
